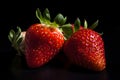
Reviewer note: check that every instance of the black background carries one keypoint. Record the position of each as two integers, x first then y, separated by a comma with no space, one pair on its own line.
21,13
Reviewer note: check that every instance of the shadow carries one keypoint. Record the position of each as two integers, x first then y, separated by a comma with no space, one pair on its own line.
51,71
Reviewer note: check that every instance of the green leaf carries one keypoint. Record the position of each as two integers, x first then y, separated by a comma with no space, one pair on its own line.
19,41
12,33
10,39
64,20
38,14
101,33
46,14
19,29
59,19
94,25
18,33
77,24
66,25
67,30
15,38
85,24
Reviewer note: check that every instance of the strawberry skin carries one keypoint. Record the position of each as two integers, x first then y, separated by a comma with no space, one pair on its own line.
85,48
42,44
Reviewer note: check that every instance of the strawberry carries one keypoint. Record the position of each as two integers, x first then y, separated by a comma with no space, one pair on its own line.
43,40
85,47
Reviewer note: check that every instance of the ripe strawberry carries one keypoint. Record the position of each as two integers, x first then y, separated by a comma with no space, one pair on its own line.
44,40
85,47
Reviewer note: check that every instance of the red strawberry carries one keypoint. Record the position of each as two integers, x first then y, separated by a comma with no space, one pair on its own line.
42,44
44,40
85,48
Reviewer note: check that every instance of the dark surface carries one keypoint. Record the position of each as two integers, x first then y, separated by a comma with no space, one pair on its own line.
20,13
14,67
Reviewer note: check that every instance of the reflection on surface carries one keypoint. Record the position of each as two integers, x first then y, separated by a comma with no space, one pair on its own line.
48,72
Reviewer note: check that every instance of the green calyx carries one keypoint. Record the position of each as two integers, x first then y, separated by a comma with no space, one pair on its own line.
58,22
77,25
15,38
45,18
94,25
